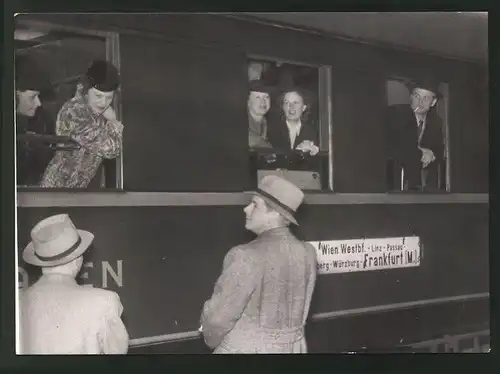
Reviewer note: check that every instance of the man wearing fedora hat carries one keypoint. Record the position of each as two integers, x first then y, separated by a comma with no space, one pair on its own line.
261,300
57,316
415,135
89,120
258,104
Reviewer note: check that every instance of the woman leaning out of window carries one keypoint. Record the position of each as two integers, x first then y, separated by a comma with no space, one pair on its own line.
89,120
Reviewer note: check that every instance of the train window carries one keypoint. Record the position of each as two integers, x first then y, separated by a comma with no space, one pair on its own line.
49,154
417,135
289,130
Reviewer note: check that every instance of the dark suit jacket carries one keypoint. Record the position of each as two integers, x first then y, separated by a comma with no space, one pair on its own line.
33,157
402,135
279,136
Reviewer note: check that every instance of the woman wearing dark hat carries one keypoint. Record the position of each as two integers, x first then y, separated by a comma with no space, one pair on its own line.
89,119
259,103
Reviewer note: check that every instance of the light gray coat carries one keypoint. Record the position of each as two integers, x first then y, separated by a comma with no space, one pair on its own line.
57,316
261,300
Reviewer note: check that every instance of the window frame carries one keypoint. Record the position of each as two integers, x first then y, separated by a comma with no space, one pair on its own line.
112,54
444,90
324,100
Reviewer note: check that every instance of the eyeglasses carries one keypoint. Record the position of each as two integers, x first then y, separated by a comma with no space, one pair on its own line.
425,99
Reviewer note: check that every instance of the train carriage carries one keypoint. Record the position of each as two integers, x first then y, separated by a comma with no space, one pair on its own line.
168,209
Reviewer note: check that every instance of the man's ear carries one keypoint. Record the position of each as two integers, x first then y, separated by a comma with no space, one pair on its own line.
434,101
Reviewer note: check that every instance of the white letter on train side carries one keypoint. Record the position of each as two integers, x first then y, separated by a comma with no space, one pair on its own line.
117,277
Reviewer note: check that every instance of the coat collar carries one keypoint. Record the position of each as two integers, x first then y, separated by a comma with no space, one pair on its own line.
278,231
58,278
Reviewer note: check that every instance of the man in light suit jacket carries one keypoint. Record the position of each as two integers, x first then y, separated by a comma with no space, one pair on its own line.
57,316
261,300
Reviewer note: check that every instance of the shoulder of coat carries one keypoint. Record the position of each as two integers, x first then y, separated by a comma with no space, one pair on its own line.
99,294
250,250
310,247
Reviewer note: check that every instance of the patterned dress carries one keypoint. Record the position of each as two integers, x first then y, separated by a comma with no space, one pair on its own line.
97,137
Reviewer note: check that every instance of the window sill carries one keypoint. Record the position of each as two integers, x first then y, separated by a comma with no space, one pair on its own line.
52,198
36,189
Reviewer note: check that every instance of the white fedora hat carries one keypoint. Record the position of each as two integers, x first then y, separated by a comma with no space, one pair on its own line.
281,194
56,241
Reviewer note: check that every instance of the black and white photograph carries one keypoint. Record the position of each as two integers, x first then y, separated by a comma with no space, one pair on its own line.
251,183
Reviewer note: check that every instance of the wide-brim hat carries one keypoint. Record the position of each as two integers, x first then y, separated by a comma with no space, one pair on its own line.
281,195
103,76
428,84
56,241
261,86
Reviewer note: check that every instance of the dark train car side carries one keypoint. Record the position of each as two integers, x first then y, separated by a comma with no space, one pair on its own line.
147,255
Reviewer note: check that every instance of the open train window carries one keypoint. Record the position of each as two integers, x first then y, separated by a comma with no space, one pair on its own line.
417,136
289,129
63,55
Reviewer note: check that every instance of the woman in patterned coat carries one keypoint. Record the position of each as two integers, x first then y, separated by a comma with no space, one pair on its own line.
90,121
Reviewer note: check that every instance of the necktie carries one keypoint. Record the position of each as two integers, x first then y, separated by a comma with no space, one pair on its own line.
419,129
